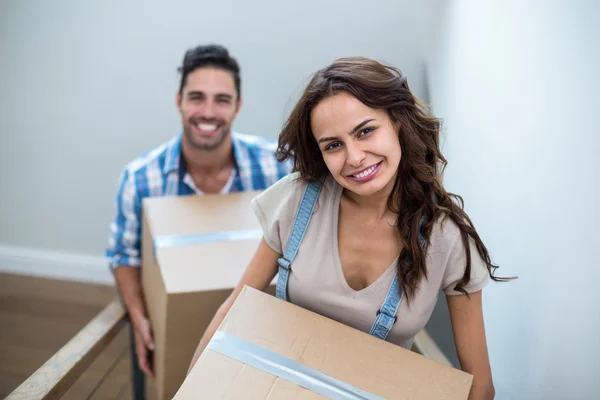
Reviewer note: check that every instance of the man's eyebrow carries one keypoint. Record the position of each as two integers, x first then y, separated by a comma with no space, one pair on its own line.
195,93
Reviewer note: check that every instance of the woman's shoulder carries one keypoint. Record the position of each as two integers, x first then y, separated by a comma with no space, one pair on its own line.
277,206
288,191
279,201
282,191
445,233
448,249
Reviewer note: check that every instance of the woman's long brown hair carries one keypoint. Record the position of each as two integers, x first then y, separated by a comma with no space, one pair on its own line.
418,192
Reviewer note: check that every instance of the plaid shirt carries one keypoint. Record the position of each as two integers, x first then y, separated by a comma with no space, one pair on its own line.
160,172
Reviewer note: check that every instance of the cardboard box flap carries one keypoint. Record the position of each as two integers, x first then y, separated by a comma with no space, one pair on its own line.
195,234
184,215
237,381
184,268
363,361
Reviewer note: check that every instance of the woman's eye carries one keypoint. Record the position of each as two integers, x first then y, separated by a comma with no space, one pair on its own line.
365,132
332,146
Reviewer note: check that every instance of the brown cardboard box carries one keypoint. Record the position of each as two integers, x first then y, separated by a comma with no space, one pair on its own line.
363,361
184,284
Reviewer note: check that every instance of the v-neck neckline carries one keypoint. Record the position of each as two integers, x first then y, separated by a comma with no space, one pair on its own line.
375,285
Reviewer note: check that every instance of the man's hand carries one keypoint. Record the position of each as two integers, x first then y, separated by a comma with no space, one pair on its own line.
144,345
130,289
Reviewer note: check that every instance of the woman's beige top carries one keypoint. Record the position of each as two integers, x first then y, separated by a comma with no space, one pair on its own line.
317,282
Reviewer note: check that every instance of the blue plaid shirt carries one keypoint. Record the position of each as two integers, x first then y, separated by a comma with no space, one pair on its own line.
160,172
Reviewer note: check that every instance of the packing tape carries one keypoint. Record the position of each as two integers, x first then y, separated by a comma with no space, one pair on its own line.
163,241
283,367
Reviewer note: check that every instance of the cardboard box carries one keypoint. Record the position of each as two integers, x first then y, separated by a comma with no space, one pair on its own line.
369,364
184,281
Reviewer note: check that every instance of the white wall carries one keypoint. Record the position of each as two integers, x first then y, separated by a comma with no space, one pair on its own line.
517,84
87,86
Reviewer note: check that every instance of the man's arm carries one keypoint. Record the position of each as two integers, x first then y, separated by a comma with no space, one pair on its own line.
124,253
130,289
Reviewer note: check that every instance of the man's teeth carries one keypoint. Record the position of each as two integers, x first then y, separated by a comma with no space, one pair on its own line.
206,127
366,172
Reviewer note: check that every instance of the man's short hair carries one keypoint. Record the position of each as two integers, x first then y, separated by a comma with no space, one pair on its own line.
211,55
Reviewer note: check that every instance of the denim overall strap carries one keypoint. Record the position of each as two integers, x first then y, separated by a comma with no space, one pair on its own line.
307,206
386,316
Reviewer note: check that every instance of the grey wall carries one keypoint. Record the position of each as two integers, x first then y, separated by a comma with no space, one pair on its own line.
517,85
87,86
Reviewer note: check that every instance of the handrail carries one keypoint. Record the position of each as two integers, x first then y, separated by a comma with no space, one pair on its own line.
426,346
59,373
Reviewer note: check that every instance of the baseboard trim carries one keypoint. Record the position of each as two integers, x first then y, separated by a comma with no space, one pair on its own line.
55,264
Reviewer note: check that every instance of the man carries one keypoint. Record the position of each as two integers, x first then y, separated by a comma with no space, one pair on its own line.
206,158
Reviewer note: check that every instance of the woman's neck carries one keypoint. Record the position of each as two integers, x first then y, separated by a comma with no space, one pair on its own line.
375,204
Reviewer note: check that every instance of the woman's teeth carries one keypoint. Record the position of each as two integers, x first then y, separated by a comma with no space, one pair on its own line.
366,172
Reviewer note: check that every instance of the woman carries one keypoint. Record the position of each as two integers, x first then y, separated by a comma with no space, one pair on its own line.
381,235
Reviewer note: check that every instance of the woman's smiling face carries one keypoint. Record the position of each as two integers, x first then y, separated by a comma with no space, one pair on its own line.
359,144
